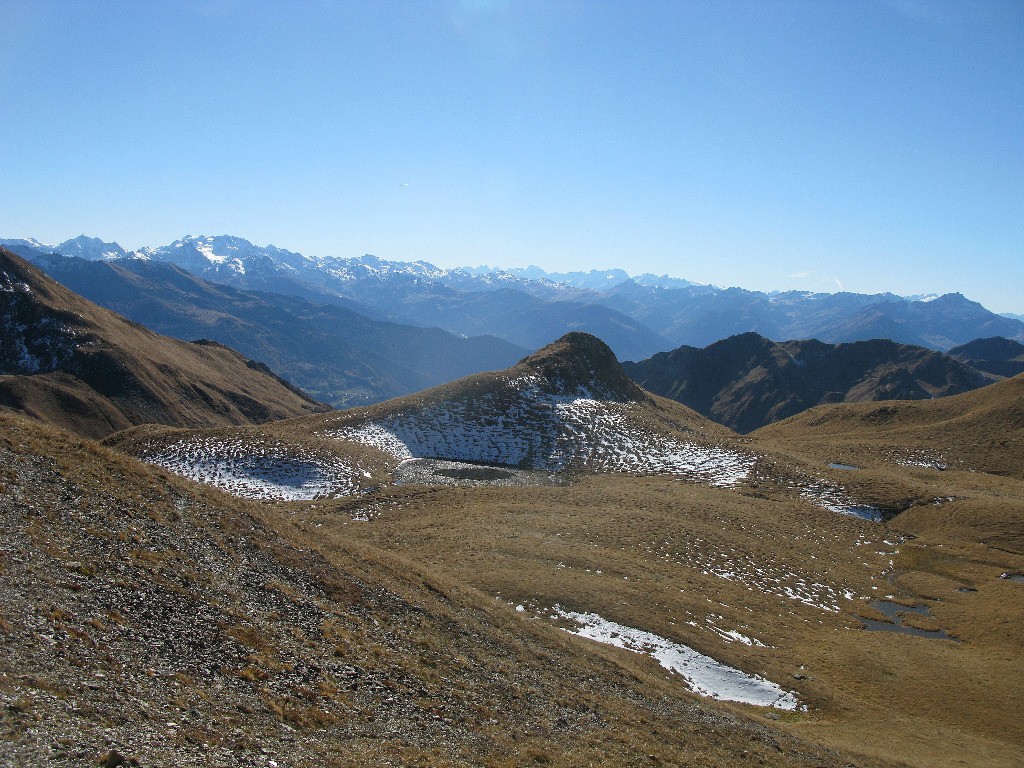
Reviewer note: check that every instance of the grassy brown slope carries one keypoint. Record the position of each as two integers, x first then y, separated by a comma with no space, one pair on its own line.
87,369
977,436
981,430
180,627
681,560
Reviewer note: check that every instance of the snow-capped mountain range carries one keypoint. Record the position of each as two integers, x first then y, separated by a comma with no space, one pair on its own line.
637,316
225,255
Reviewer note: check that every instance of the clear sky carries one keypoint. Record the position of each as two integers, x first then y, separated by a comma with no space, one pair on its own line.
873,145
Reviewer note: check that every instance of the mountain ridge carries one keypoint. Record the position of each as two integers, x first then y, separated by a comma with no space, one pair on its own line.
638,316
68,362
338,355
747,381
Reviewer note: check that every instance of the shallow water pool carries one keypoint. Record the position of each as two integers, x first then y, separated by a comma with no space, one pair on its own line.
893,612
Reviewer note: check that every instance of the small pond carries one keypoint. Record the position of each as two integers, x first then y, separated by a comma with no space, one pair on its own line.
893,612
460,473
837,465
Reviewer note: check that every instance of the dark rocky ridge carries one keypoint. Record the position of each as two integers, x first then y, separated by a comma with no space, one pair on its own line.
747,381
996,355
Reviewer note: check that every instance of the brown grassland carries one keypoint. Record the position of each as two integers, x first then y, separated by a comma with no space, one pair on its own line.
384,628
147,617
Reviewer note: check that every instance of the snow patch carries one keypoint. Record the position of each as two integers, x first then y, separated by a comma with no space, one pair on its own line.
703,674
255,471
835,499
547,432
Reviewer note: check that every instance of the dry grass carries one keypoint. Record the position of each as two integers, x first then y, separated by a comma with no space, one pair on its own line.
638,551
237,628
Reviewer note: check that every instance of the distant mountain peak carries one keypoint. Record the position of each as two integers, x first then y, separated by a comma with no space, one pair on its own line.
92,248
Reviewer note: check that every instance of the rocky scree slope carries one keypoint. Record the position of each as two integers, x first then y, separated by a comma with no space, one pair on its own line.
748,381
66,361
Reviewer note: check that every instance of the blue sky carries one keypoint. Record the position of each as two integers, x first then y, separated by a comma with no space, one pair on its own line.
869,145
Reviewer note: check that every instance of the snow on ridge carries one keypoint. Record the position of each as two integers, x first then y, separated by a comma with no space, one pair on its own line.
31,242
703,674
9,285
256,471
41,346
547,432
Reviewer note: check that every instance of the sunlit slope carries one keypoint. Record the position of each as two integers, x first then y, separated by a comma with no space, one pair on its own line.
981,430
68,362
965,451
566,409
145,617
569,407
748,576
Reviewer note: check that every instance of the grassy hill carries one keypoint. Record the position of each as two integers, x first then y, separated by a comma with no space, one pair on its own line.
147,620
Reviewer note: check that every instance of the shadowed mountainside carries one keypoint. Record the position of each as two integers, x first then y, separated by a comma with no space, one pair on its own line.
747,381
998,356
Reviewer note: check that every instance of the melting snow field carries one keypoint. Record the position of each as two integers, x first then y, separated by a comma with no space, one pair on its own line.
766,574
549,433
703,674
834,499
255,471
